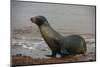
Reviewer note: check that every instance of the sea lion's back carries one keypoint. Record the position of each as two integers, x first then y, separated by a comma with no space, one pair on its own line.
75,43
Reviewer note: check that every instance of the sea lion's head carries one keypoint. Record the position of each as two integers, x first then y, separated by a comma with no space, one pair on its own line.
39,20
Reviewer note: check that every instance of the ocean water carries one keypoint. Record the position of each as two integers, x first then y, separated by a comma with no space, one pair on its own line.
63,18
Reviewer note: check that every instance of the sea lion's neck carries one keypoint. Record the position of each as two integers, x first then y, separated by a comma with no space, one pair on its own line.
47,29
46,26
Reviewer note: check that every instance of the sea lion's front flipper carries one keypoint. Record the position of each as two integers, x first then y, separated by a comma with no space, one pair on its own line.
62,51
57,48
53,54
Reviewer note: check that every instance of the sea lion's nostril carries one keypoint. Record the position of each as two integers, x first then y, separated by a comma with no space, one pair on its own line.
31,19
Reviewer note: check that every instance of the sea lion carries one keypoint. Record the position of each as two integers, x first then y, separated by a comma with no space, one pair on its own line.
69,45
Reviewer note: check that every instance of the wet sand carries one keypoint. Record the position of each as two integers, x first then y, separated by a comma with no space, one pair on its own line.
29,48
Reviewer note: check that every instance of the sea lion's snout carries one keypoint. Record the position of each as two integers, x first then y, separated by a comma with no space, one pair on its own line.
33,19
